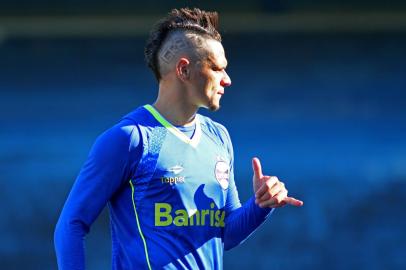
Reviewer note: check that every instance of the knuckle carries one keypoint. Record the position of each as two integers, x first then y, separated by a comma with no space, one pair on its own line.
279,199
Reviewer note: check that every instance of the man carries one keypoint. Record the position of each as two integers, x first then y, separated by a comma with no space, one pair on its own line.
165,171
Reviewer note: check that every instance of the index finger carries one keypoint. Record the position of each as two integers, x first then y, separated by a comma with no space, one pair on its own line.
268,183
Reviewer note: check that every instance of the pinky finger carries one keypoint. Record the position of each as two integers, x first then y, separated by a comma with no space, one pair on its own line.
293,201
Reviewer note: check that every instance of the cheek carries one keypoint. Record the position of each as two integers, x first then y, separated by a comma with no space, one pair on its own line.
206,83
214,80
202,79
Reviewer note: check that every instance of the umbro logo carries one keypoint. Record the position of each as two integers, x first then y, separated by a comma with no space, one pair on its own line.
173,180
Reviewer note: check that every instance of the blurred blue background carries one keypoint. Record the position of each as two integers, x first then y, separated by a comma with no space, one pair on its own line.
319,94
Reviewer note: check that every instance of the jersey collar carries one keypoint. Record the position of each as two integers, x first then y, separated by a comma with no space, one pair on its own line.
175,131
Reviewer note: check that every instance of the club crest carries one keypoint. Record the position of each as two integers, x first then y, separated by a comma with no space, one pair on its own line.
222,173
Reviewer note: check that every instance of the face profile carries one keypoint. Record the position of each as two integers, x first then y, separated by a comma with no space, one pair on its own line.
209,77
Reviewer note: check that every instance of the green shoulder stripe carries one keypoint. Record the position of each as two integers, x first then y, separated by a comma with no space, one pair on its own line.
196,137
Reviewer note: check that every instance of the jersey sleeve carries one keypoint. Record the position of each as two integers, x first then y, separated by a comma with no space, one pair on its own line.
106,169
241,220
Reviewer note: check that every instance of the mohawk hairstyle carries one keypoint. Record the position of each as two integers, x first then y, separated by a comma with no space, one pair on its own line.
194,20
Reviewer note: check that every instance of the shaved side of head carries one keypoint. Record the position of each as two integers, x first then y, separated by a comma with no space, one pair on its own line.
182,30
181,44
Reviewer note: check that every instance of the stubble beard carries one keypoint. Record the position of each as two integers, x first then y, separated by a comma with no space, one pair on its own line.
213,106
212,103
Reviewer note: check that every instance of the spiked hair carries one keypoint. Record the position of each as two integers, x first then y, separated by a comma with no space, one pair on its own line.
200,22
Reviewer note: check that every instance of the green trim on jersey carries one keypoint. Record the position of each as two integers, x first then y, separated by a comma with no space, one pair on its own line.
192,142
139,227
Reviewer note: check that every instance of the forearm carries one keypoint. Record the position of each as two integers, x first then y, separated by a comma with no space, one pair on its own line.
243,221
69,244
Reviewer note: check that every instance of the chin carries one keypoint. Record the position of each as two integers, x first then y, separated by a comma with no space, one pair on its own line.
214,107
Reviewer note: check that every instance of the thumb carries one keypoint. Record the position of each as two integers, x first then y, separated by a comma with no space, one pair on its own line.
256,167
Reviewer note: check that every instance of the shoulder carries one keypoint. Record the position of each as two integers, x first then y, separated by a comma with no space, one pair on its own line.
213,128
140,117
124,135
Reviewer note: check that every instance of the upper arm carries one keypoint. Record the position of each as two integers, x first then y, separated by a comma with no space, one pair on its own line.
108,166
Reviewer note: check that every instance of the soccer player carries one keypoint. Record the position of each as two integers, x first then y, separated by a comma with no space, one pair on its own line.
165,171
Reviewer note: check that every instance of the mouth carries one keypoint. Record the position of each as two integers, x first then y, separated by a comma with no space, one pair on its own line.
220,92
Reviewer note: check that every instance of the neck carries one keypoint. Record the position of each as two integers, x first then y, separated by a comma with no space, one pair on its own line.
172,103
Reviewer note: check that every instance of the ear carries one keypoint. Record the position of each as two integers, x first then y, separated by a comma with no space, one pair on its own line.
183,69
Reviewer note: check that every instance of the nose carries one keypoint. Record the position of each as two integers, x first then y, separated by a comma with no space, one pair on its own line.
225,81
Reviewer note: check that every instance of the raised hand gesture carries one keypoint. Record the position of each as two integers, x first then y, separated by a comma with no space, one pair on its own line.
269,191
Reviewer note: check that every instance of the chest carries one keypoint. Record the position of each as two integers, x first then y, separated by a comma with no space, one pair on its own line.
192,176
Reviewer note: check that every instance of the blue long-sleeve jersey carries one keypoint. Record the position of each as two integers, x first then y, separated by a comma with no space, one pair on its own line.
172,199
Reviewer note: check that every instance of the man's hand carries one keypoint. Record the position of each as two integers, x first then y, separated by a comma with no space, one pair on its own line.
269,191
